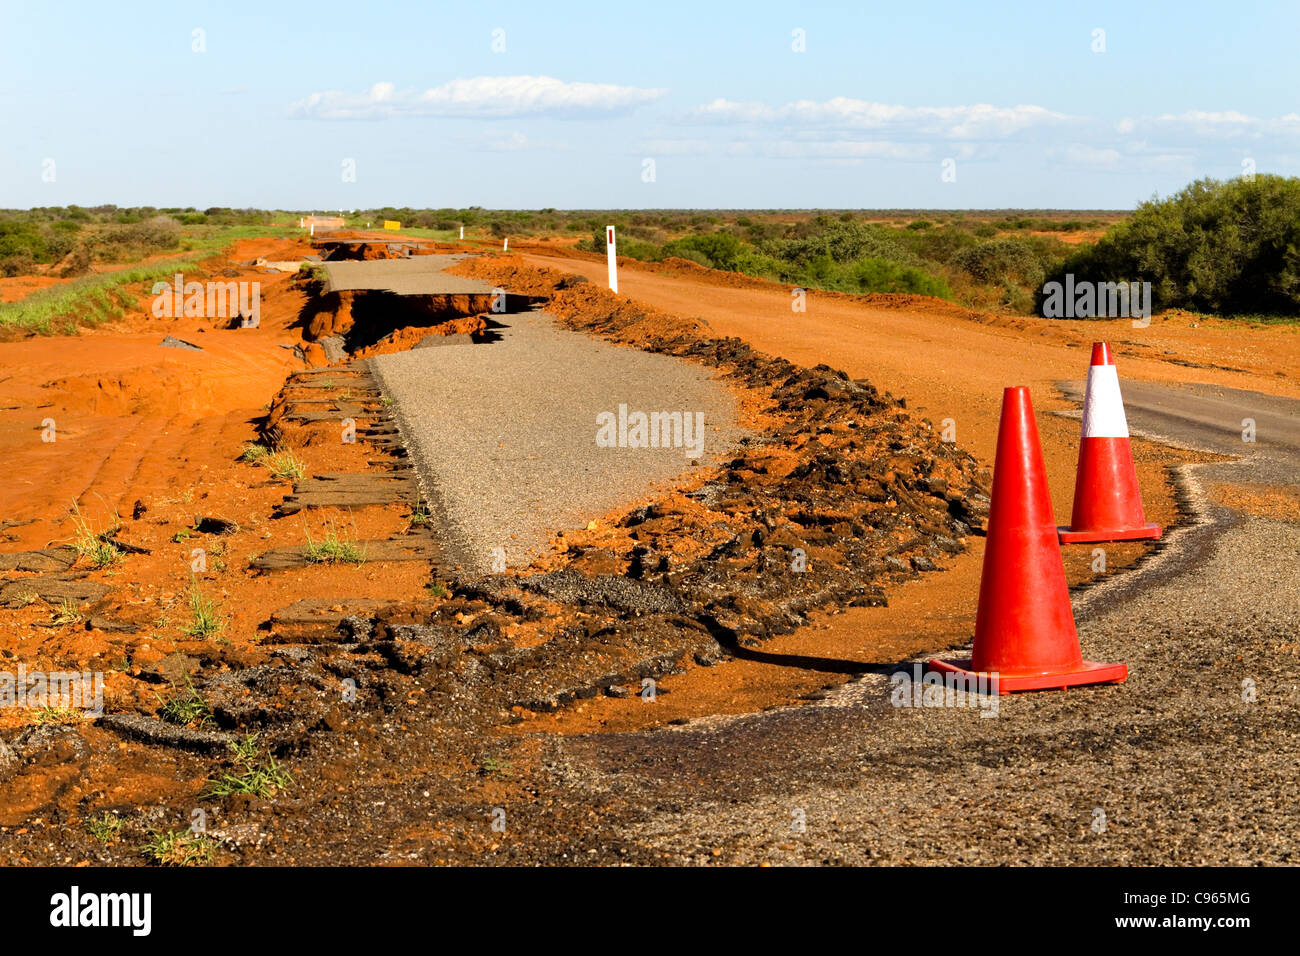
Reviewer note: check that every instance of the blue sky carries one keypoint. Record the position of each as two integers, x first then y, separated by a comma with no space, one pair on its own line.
282,95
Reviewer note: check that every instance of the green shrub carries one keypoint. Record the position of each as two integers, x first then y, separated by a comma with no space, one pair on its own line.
997,260
754,263
839,240
18,264
882,275
715,249
78,263
939,245
1225,247
693,255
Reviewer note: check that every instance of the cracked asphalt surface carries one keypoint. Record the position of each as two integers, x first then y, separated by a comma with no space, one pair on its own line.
1192,761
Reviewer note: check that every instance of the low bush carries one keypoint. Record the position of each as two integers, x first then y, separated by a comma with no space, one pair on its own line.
1231,248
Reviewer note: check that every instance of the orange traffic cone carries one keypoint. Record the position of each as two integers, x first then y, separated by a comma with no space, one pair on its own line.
1024,629
1107,505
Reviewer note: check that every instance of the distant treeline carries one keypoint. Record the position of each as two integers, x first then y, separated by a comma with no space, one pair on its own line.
1224,247
77,235
960,258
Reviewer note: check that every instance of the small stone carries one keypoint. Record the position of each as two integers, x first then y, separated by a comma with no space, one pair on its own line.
171,342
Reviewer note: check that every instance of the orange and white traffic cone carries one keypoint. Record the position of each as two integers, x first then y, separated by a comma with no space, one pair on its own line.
1107,504
1025,637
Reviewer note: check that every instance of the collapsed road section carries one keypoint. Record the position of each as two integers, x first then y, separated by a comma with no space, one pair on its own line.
362,306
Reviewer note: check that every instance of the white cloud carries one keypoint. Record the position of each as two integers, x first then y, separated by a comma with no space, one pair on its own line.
952,122
831,149
478,97
508,141
801,146
1212,125
674,147
1081,154
504,142
1133,157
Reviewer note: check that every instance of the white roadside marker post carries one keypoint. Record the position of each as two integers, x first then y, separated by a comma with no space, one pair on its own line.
612,255
505,244
462,232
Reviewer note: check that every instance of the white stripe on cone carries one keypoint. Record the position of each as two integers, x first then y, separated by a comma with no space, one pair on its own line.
1103,407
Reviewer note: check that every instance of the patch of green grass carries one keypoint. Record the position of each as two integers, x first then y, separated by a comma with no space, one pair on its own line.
69,613
105,828
90,544
205,621
179,848
89,300
386,401
1256,320
314,272
333,550
254,451
255,773
216,238
437,589
496,767
285,464
58,715
187,708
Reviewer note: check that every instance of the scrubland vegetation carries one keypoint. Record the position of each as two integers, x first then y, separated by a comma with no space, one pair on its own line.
1226,248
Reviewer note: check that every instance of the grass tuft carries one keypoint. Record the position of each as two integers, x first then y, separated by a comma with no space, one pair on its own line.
187,708
58,715
69,613
333,550
91,544
179,848
284,464
205,621
255,773
105,828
